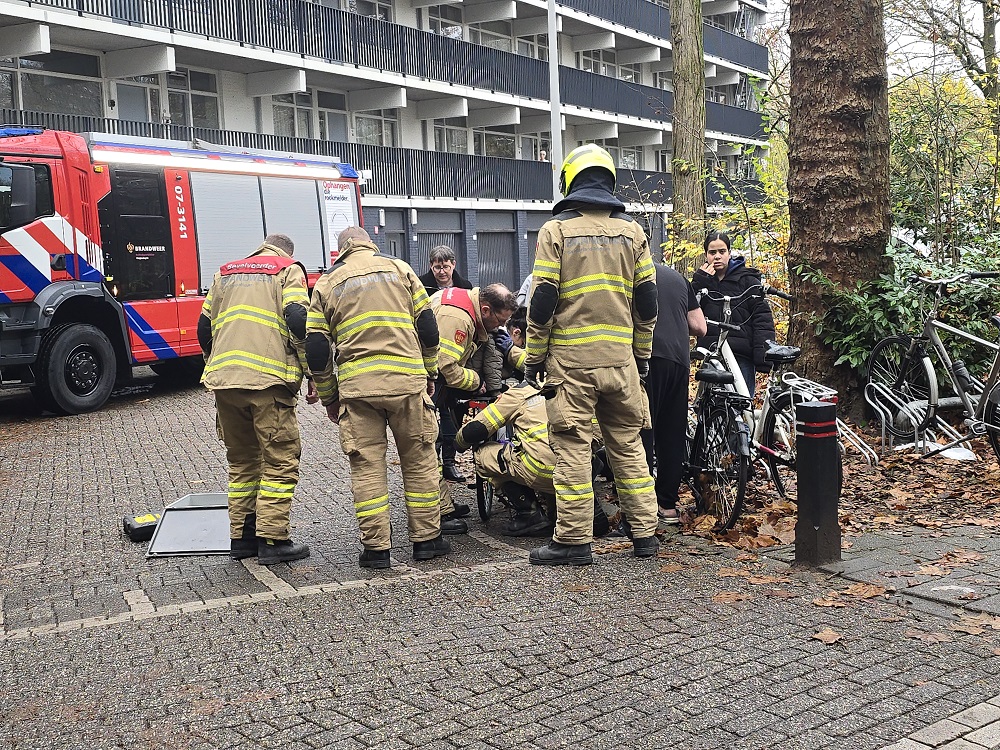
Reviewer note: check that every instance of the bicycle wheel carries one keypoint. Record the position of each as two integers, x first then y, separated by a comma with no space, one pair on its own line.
484,498
991,416
910,379
778,437
720,464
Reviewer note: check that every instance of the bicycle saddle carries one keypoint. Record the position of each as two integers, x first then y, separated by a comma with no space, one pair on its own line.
780,354
713,375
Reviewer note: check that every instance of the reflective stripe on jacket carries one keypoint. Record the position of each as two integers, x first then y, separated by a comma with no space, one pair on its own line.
252,347
593,259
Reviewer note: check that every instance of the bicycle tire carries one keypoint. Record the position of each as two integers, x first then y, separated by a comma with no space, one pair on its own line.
991,416
778,435
485,494
720,466
910,377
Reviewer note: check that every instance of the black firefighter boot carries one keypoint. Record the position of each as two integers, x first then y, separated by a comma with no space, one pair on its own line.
274,551
557,553
246,545
528,519
448,468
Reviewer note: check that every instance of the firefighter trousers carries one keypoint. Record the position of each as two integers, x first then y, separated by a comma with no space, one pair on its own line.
615,396
261,434
413,422
501,463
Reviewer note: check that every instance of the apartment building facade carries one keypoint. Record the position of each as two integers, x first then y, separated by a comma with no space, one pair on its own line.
444,108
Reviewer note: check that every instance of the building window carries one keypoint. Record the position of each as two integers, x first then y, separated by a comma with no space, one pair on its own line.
63,82
138,98
451,136
535,146
664,80
495,143
535,45
605,62
664,160
497,34
332,116
625,157
445,20
376,127
380,9
293,115
193,98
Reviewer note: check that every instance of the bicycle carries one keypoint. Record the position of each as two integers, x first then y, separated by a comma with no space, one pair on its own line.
903,384
772,427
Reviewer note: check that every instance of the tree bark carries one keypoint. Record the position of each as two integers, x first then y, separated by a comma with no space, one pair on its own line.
689,120
838,181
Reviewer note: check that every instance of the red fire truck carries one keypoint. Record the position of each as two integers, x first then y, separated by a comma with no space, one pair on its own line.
108,245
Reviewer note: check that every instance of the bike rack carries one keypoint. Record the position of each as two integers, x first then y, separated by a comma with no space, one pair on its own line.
821,392
884,401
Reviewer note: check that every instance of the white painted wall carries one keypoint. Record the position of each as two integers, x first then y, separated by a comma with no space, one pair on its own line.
237,108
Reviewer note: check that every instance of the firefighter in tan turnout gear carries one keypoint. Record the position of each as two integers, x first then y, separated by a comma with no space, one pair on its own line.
590,332
371,316
466,318
519,469
251,330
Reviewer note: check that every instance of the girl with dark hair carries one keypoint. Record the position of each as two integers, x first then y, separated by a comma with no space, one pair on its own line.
724,274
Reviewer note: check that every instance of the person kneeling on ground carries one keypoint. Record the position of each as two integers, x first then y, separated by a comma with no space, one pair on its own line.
518,469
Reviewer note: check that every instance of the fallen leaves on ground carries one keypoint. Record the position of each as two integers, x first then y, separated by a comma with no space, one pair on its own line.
927,636
903,490
827,636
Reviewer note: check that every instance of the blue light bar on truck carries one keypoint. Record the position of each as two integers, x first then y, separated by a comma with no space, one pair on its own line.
10,131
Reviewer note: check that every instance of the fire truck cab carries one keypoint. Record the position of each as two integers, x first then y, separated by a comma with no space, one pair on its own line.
108,245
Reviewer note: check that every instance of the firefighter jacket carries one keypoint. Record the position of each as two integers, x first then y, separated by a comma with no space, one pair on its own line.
374,312
523,408
251,345
584,310
462,332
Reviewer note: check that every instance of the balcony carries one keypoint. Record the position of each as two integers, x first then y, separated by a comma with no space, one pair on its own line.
592,91
654,190
400,172
312,30
654,19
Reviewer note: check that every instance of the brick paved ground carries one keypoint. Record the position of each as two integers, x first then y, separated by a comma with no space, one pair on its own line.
700,648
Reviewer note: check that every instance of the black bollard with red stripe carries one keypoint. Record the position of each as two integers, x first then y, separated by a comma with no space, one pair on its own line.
818,462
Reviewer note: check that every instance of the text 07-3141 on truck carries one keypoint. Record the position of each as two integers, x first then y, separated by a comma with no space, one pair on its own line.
108,245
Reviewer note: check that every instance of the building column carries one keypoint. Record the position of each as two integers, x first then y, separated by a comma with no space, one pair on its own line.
471,246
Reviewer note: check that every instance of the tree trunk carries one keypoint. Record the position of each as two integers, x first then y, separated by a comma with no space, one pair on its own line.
689,120
838,182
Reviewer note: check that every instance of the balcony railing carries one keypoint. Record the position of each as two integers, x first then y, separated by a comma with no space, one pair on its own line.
401,172
312,30
395,171
655,20
593,91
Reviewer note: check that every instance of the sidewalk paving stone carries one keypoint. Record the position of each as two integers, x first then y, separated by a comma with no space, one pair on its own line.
104,648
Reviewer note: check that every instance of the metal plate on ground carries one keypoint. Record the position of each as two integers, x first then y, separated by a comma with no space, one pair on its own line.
194,525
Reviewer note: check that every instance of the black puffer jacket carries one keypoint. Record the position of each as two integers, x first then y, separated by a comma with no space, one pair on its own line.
431,285
752,315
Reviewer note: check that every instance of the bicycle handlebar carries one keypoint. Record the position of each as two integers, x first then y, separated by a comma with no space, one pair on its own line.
751,291
723,326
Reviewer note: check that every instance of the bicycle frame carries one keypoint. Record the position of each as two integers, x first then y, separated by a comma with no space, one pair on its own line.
973,406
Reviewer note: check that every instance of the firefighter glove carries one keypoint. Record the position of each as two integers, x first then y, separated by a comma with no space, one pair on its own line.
534,373
643,366
503,341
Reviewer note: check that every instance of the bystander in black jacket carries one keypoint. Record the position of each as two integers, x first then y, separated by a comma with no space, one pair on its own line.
752,315
431,284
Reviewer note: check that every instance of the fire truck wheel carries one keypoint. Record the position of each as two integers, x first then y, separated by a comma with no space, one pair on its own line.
77,368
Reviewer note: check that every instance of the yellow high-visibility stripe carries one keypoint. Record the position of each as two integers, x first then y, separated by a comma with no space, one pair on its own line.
452,349
316,320
541,263
468,381
634,487
590,334
537,346
420,301
251,314
551,275
534,434
543,471
491,415
386,362
569,285
254,362
371,507
644,270
574,491
298,294
519,360
372,316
